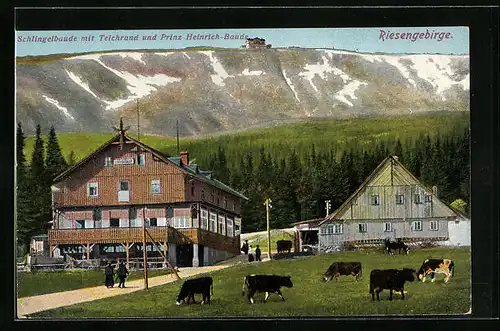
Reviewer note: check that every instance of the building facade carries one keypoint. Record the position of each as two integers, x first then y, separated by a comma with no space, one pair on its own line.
392,204
100,205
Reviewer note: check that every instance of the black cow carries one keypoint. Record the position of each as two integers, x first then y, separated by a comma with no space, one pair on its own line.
265,283
284,245
399,244
343,268
391,279
436,266
203,285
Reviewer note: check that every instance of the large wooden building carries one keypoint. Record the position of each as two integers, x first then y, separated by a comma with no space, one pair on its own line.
392,203
100,205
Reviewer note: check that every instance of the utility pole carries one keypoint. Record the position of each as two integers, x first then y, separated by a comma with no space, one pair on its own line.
268,205
328,207
177,126
145,254
138,130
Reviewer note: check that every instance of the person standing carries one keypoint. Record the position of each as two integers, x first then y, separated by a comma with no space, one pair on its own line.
250,254
122,274
109,272
257,254
244,247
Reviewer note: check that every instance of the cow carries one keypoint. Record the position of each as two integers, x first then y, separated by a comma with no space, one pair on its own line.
391,279
436,266
265,283
284,245
343,268
399,244
203,285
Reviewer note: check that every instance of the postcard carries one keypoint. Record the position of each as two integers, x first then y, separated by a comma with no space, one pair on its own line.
199,173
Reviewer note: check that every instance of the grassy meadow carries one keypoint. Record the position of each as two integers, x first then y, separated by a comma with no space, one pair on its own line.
43,282
262,241
309,296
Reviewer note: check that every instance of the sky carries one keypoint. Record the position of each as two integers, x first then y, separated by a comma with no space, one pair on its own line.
442,40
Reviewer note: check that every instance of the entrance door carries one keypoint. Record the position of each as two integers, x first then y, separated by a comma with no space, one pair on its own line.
185,255
200,255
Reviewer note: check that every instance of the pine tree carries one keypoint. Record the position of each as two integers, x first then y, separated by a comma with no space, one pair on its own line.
39,187
24,221
54,160
71,159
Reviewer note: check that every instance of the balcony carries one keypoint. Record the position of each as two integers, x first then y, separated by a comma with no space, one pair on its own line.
130,235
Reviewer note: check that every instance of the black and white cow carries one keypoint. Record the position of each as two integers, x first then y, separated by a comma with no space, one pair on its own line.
436,266
391,279
265,283
343,268
203,285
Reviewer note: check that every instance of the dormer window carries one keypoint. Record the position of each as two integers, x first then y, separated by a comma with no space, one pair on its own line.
108,161
400,199
141,159
418,198
428,198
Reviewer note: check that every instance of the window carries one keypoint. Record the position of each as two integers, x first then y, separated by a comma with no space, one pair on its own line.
182,222
124,186
212,197
204,219
192,189
225,202
375,200
434,225
418,198
323,230
337,228
141,159
114,223
152,222
417,226
428,198
155,186
108,161
218,199
202,195
400,199
93,190
387,227
80,224
194,217
213,221
230,227
362,227
222,224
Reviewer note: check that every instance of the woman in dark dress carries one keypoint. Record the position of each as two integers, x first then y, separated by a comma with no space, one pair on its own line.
110,274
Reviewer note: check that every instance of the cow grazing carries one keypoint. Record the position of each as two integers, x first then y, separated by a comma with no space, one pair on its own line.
343,268
284,245
399,245
391,279
436,266
203,285
265,283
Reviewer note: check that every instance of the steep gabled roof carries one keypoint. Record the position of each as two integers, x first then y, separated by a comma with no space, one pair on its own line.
175,161
368,180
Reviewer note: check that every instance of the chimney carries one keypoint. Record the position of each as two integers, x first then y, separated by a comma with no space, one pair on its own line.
184,158
435,191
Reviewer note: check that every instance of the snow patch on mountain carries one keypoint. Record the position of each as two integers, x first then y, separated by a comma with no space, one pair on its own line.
289,82
246,72
139,86
56,103
220,72
348,91
78,81
135,56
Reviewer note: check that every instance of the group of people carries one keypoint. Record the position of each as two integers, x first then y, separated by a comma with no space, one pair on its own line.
245,248
122,273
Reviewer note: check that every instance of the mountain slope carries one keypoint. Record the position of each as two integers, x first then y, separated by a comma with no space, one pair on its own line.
221,90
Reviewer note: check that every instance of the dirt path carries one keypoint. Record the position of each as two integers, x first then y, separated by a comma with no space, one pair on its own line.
34,304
